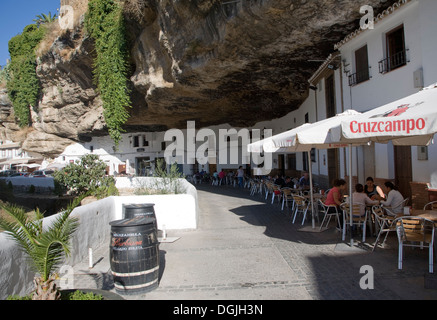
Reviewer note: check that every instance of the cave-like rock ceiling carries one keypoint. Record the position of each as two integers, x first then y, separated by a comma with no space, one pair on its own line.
232,61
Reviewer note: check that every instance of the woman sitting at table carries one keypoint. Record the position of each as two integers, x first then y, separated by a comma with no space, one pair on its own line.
335,195
373,191
359,197
394,198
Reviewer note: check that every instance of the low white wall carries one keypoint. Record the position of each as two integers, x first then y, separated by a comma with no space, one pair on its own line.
173,211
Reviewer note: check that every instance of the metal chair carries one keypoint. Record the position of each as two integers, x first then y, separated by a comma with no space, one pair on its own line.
383,222
329,214
415,232
300,205
430,206
357,218
287,196
254,186
276,192
390,210
268,188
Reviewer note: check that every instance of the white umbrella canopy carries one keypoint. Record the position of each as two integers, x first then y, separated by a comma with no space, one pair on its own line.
303,139
316,135
408,121
270,144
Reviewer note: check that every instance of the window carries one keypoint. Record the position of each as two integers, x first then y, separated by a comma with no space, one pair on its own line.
136,141
330,96
396,56
291,161
145,142
361,67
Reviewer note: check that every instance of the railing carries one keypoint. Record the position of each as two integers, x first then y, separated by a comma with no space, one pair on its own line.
393,62
359,77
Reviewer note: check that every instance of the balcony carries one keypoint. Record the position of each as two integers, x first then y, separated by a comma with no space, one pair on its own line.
393,62
358,77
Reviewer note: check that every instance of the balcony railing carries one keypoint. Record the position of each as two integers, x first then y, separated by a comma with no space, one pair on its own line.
359,77
393,62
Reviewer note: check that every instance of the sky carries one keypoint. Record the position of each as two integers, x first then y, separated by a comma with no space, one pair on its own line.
16,14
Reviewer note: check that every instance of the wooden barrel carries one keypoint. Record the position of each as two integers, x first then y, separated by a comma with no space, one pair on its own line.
139,210
134,255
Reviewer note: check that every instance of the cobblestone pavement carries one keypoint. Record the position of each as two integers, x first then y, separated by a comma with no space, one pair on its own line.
247,248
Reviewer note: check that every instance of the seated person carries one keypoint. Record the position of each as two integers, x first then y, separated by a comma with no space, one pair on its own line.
279,181
394,199
222,174
288,182
304,182
359,197
373,191
335,197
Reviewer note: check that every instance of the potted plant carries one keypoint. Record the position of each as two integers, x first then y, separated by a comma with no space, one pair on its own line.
46,248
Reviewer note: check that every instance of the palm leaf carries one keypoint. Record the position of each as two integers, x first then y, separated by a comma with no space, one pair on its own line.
45,248
20,228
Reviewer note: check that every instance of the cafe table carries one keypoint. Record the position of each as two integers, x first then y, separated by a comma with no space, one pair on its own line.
427,214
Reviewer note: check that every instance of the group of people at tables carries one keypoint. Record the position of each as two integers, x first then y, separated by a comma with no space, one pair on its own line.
367,195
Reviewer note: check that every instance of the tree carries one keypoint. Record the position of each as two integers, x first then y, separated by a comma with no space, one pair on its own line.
86,175
46,248
44,18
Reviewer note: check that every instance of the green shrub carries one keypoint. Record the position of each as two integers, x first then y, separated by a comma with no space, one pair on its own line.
22,82
80,295
87,175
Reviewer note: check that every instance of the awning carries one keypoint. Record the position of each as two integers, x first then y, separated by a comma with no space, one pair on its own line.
408,121
30,165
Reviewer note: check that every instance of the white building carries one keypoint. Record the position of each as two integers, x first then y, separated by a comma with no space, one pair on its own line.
373,67
12,157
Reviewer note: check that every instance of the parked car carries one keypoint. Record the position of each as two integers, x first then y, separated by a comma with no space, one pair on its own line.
41,173
7,173
20,174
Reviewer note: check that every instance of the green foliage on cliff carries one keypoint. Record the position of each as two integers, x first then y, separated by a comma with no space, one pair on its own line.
105,23
23,84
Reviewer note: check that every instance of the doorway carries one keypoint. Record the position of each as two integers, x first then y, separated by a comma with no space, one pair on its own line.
403,170
143,166
281,164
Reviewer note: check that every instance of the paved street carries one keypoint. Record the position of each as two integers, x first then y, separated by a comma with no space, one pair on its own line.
246,248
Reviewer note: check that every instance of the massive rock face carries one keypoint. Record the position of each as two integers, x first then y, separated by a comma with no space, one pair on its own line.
228,61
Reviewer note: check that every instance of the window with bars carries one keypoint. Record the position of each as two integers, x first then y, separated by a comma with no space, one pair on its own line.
396,53
361,67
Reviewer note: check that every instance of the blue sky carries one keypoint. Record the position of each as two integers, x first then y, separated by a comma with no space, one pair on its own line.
16,14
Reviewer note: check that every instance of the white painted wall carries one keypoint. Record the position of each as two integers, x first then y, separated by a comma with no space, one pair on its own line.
418,18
